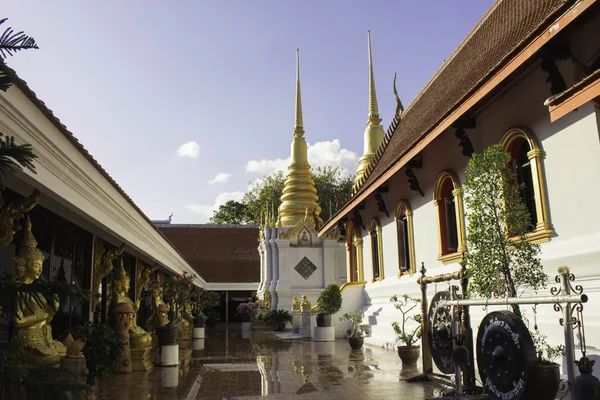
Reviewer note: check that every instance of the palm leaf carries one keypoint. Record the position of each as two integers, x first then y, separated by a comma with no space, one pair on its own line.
12,41
14,157
7,76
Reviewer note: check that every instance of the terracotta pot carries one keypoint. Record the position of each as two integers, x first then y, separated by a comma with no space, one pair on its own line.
166,335
323,320
409,354
356,343
542,381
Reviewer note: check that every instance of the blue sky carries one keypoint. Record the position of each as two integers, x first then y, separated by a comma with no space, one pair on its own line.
135,81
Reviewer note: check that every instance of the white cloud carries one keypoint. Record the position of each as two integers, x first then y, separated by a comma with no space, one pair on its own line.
221,177
319,154
189,149
206,210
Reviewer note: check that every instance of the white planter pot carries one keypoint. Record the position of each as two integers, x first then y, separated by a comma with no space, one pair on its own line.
198,333
246,326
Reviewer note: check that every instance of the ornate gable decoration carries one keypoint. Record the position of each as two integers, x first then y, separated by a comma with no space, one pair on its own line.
307,224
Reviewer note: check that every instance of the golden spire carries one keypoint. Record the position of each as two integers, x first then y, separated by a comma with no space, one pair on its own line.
298,123
299,192
374,133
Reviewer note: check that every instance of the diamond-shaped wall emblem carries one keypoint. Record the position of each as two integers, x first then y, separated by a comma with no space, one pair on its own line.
305,268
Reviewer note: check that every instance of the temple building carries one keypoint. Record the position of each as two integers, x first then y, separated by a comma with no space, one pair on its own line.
526,77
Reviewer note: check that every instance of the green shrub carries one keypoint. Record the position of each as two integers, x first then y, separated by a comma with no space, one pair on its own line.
330,300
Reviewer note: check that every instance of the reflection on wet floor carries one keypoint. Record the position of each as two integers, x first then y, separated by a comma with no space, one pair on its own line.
231,364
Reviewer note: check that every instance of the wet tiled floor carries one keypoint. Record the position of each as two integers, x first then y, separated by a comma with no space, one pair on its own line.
230,364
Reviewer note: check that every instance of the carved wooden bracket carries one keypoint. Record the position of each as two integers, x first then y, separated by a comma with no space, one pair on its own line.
413,182
381,204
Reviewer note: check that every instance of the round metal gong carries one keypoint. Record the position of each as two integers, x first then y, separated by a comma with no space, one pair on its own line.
440,331
505,353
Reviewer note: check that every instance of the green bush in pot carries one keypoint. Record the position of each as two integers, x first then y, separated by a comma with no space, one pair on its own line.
328,303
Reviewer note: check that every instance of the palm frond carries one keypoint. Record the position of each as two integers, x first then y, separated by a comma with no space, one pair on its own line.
12,41
14,157
7,76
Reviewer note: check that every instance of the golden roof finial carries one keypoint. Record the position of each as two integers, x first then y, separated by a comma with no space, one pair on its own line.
373,107
299,192
298,123
374,132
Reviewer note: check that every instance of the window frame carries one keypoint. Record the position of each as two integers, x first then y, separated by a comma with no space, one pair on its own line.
375,227
354,248
450,257
543,229
403,208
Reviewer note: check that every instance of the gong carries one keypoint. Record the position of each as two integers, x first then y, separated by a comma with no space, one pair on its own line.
505,353
440,331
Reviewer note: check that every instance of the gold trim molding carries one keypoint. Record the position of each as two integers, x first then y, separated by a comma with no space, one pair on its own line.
460,216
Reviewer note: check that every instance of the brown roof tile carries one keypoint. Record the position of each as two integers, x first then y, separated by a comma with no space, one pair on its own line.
505,27
219,253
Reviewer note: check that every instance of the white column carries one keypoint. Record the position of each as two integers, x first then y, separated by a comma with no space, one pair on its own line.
268,261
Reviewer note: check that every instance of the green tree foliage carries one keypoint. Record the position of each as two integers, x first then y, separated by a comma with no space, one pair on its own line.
232,212
11,42
264,196
501,261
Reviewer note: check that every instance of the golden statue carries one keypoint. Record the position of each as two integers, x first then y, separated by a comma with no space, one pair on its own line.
266,303
14,210
296,306
143,277
32,323
102,266
160,316
139,338
305,305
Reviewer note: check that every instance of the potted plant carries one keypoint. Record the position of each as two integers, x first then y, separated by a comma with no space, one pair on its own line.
409,352
102,349
177,292
328,303
278,318
246,311
357,332
202,300
544,377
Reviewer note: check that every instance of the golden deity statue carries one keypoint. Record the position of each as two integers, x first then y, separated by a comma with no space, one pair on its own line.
143,277
32,323
266,303
305,305
296,306
160,316
139,338
102,266
14,210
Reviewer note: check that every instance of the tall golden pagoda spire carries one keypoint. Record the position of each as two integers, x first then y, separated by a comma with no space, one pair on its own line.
299,192
374,133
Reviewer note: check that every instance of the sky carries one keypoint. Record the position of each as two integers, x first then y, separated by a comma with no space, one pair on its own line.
184,102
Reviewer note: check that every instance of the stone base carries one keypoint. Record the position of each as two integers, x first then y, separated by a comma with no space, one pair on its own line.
198,333
260,325
140,359
324,348
296,321
324,334
167,356
246,326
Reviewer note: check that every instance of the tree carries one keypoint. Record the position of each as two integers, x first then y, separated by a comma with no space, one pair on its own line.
232,212
264,196
501,261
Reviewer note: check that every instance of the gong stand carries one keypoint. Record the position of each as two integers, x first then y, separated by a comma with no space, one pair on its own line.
468,377
562,298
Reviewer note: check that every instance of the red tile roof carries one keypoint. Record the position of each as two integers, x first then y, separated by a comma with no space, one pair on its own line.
219,253
500,33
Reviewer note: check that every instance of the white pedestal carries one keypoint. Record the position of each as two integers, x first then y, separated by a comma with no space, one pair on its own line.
246,334
169,377
168,356
246,326
296,321
198,344
306,331
324,348
198,333
324,334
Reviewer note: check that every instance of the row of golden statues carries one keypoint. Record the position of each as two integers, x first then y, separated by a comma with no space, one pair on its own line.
32,323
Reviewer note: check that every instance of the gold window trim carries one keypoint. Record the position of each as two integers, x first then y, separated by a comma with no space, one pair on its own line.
459,212
404,205
354,240
375,225
543,230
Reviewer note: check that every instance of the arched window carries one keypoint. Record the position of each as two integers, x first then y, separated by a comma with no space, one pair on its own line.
527,155
354,248
451,226
406,241
376,250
